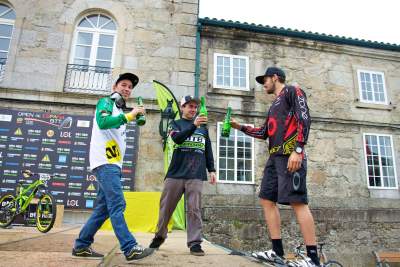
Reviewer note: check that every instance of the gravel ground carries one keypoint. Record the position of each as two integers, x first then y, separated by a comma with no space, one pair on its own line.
25,246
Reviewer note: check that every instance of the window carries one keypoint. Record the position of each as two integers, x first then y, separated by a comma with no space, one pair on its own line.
379,160
94,41
7,18
372,87
92,54
235,157
231,72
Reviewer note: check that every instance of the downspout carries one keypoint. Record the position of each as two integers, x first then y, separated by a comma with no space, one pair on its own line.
197,61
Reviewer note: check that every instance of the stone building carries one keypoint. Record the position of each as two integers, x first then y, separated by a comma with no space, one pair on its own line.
353,91
61,59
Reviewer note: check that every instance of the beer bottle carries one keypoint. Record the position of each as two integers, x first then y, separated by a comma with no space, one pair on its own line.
203,109
226,126
140,118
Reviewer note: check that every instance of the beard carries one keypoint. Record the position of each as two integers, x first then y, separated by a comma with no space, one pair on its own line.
271,90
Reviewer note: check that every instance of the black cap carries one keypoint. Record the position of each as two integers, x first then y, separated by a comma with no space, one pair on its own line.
269,73
188,98
128,76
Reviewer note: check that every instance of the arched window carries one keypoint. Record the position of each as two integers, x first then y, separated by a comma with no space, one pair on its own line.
92,54
7,18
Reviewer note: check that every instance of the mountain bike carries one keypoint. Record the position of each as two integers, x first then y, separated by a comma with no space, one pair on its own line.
25,194
303,260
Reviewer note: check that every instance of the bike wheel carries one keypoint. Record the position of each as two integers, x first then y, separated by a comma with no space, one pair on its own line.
332,263
46,212
8,210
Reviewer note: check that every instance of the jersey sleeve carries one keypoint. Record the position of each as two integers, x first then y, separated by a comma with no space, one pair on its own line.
256,132
298,102
104,118
179,135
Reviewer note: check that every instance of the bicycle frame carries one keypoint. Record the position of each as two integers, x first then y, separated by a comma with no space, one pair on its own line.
26,194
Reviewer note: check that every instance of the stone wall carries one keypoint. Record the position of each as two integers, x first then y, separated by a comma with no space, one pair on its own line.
350,235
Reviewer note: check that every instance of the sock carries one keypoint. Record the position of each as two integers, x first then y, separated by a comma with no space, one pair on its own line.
278,247
312,253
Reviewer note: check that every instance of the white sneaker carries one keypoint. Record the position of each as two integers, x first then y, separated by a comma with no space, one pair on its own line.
301,263
268,256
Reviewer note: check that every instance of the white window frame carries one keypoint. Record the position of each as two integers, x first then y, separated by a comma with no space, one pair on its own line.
95,41
246,58
380,163
219,126
10,22
360,87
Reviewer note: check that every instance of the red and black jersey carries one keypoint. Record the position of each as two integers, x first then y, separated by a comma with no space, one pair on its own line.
287,124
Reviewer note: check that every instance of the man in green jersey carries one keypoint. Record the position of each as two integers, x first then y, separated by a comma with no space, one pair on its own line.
107,149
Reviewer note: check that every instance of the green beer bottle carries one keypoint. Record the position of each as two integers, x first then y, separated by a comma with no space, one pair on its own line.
140,118
226,127
203,109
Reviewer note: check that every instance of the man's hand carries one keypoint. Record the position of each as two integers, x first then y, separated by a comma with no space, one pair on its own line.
200,120
294,162
235,124
137,110
213,178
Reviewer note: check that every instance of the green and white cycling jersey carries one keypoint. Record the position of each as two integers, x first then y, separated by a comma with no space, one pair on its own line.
108,142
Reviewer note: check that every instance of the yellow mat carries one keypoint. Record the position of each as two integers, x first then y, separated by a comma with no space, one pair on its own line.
141,213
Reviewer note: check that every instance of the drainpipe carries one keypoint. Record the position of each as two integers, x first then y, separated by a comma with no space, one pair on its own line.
197,61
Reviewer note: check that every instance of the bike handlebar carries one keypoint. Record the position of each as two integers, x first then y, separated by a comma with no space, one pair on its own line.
28,174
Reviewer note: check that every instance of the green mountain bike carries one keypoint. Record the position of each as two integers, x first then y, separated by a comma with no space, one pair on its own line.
11,206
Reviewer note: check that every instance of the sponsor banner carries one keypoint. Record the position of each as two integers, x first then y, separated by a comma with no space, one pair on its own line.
37,141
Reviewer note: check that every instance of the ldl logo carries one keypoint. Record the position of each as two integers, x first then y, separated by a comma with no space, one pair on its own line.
73,203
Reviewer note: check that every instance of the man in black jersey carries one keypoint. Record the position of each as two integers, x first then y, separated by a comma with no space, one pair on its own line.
287,127
190,161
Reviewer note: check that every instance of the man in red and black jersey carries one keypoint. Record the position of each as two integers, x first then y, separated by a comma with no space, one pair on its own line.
287,127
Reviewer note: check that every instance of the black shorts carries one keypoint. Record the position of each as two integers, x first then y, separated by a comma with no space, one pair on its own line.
280,185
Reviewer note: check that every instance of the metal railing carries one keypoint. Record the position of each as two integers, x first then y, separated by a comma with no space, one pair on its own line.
3,62
88,79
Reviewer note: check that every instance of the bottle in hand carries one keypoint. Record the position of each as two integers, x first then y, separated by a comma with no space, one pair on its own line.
203,109
140,118
226,127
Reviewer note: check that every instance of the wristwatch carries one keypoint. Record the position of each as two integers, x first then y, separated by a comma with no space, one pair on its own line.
299,150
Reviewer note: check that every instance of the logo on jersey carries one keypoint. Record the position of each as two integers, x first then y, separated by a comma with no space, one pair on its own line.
113,153
195,141
272,126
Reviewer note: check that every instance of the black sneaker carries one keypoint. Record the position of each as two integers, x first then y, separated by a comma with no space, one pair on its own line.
137,253
87,253
196,250
156,242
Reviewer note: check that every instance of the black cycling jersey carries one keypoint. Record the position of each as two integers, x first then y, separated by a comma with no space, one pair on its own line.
192,151
287,124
